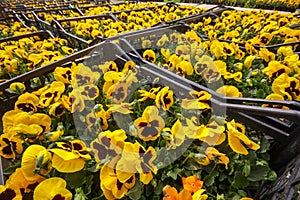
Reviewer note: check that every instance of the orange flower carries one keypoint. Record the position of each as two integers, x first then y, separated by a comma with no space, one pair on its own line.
170,193
192,184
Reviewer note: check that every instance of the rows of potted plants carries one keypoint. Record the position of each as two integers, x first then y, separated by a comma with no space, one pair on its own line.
290,5
107,132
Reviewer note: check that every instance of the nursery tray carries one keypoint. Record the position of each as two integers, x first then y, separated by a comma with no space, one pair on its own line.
247,110
25,77
10,20
215,13
44,25
85,9
74,40
95,55
286,186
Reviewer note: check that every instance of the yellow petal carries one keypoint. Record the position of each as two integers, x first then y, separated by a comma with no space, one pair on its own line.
67,166
236,145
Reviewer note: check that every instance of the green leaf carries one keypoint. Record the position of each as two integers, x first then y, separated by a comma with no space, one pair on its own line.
159,188
264,145
209,180
272,176
258,173
136,191
149,190
12,168
79,195
246,169
172,174
75,180
242,193
239,181
222,177
192,165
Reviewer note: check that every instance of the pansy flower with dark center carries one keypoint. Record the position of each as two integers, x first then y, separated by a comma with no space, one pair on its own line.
150,124
27,102
30,126
266,55
184,68
212,74
275,96
118,92
265,38
83,75
53,188
57,109
136,159
275,69
108,144
111,185
70,157
182,50
203,63
10,192
227,50
199,100
91,120
129,66
172,61
212,133
67,50
174,37
164,98
63,74
52,94
26,187
109,66
88,92
149,55
192,37
236,135
288,87
10,146
200,67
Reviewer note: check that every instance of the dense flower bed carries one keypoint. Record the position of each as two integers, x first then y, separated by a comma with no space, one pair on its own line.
127,21
125,139
241,73
14,28
251,27
286,5
23,55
